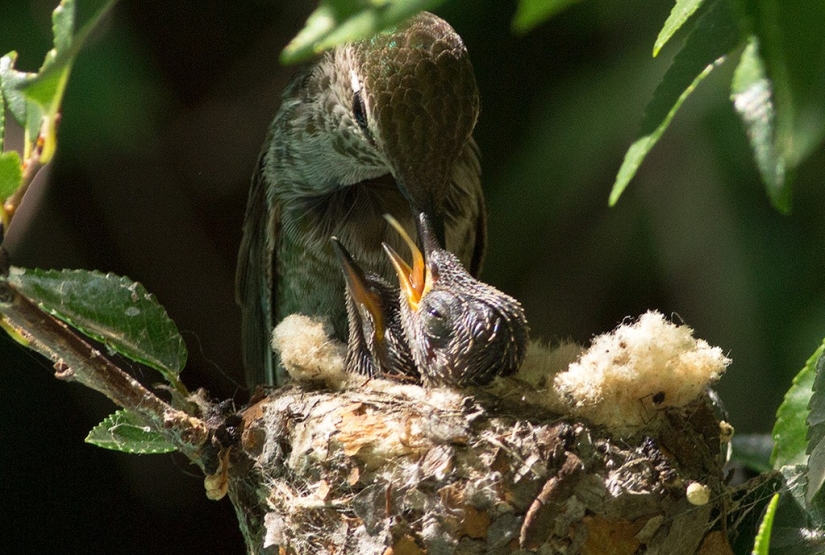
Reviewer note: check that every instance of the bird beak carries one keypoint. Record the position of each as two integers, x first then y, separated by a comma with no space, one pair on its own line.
421,200
357,287
434,224
417,281
431,240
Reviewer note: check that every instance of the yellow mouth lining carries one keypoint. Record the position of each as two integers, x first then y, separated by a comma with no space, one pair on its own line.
417,281
359,291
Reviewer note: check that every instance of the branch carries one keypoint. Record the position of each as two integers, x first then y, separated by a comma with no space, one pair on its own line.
31,167
76,360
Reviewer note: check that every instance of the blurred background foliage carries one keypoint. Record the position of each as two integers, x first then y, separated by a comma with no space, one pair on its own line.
162,122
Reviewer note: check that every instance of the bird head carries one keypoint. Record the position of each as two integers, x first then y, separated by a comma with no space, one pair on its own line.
376,345
461,331
419,98
401,104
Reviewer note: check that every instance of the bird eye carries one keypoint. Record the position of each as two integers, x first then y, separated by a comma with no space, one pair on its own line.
435,313
436,319
359,112
437,329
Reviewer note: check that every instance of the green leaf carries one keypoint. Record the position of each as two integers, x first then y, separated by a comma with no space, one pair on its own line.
69,38
34,99
752,97
680,13
2,118
114,310
763,538
792,44
816,446
125,431
27,113
715,34
337,22
790,429
530,13
11,174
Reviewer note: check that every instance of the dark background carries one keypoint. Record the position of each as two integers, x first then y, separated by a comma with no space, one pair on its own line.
163,118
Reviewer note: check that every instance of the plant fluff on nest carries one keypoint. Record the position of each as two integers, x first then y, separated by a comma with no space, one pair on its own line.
579,446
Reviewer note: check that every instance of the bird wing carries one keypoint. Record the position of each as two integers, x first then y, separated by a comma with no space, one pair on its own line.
254,281
469,164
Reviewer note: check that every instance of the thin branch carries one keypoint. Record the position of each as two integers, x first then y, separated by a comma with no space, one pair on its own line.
31,167
76,360
73,358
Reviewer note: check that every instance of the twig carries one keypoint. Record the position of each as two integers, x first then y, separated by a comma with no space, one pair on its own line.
76,360
73,358
31,167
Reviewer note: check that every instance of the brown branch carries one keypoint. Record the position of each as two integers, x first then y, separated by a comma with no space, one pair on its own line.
76,360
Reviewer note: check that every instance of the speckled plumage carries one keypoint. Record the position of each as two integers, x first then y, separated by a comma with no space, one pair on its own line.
379,126
461,331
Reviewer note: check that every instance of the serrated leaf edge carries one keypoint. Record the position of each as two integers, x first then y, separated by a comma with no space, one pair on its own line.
110,423
762,542
802,384
168,371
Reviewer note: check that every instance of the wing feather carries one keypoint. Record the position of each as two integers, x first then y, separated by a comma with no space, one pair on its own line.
254,281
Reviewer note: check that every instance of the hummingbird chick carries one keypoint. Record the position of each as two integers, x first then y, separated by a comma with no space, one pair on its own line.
461,331
377,126
376,346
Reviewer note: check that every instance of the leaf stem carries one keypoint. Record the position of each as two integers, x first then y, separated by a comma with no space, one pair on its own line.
31,167
76,360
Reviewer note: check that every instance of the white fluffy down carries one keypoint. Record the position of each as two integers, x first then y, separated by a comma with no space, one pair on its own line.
307,351
627,375
621,381
543,362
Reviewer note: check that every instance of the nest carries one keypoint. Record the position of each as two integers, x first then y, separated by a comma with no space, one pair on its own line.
362,466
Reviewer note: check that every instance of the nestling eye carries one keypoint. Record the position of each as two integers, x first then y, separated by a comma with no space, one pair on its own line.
436,318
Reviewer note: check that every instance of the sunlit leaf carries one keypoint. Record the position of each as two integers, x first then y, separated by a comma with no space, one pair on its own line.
790,429
752,97
10,174
337,22
34,98
763,538
792,45
26,112
111,309
715,34
680,13
531,13
125,431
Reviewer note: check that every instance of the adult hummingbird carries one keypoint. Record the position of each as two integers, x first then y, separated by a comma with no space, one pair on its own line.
460,331
378,126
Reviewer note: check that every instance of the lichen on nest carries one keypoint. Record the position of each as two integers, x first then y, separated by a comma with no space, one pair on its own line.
345,464
623,378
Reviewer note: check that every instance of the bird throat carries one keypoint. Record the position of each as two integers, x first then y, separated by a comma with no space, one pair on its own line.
361,205
308,279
